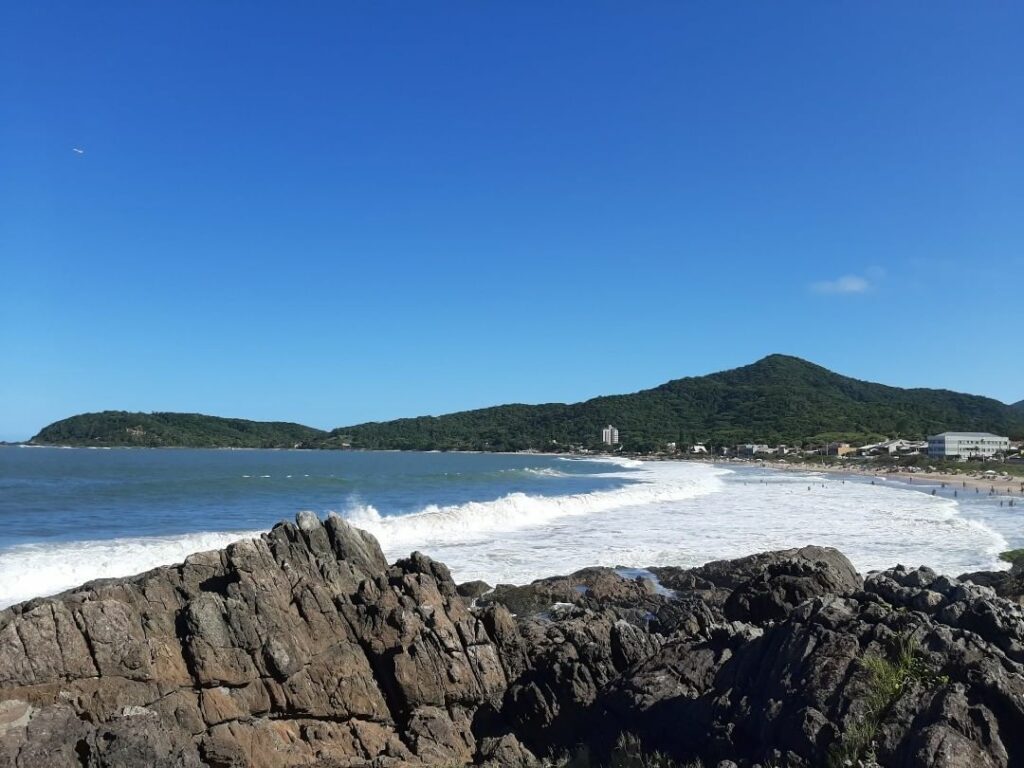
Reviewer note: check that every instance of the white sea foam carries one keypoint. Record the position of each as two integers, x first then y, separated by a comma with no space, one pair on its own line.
686,514
672,514
477,522
543,472
31,570
620,461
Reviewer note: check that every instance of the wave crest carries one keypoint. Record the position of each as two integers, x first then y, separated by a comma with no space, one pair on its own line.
31,570
477,520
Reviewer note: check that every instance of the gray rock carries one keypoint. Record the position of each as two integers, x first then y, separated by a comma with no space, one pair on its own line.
305,647
473,589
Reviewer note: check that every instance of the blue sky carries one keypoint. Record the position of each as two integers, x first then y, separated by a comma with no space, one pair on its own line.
361,211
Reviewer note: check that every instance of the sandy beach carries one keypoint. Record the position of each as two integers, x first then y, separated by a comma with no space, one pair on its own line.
1009,486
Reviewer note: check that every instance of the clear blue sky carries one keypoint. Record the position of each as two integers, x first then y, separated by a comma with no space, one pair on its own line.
336,212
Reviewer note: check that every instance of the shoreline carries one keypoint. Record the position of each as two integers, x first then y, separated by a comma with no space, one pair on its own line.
1008,487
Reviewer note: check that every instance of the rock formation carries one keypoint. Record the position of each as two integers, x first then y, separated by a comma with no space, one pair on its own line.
305,647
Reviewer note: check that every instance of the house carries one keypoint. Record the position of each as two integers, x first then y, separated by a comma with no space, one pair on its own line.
752,449
967,445
699,448
839,449
898,447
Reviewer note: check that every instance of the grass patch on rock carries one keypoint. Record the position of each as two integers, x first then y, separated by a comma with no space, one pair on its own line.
888,677
1013,556
628,753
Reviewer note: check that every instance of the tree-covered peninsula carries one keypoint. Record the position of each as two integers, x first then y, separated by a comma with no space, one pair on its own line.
179,430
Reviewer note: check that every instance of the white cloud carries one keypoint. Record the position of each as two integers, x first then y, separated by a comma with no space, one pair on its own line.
844,284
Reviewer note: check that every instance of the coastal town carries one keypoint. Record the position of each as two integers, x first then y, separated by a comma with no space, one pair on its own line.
955,446
980,461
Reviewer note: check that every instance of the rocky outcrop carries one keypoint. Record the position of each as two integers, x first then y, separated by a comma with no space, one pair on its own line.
305,647
1008,584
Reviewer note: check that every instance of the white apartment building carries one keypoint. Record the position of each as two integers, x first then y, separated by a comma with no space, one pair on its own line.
967,445
753,449
610,435
894,447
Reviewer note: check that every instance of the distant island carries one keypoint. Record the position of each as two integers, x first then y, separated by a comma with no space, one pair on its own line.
175,430
779,399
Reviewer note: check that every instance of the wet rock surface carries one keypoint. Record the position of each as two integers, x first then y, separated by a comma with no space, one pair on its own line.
305,647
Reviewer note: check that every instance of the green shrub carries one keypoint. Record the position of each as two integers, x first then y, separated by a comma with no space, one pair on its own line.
1013,556
627,753
888,677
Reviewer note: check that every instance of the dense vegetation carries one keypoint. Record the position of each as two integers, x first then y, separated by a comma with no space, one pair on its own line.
193,430
779,399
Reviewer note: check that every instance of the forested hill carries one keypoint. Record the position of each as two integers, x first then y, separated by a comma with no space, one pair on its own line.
191,430
779,399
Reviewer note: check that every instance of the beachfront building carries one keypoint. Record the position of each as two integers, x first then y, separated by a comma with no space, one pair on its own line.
610,435
839,449
967,445
897,447
753,449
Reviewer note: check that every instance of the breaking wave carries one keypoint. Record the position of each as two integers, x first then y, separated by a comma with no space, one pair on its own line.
31,570
480,520
662,513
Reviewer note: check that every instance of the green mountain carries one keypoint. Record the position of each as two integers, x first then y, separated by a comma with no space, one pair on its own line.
191,430
779,399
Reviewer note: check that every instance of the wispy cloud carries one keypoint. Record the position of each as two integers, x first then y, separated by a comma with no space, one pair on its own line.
844,284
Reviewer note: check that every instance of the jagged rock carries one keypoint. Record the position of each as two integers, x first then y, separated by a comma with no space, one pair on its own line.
764,587
593,588
285,650
473,589
305,647
507,752
1008,584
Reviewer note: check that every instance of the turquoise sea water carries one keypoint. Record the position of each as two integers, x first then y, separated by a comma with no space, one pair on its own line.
70,515
52,494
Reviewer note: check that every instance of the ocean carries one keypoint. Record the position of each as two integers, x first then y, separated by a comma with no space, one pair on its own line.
71,515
